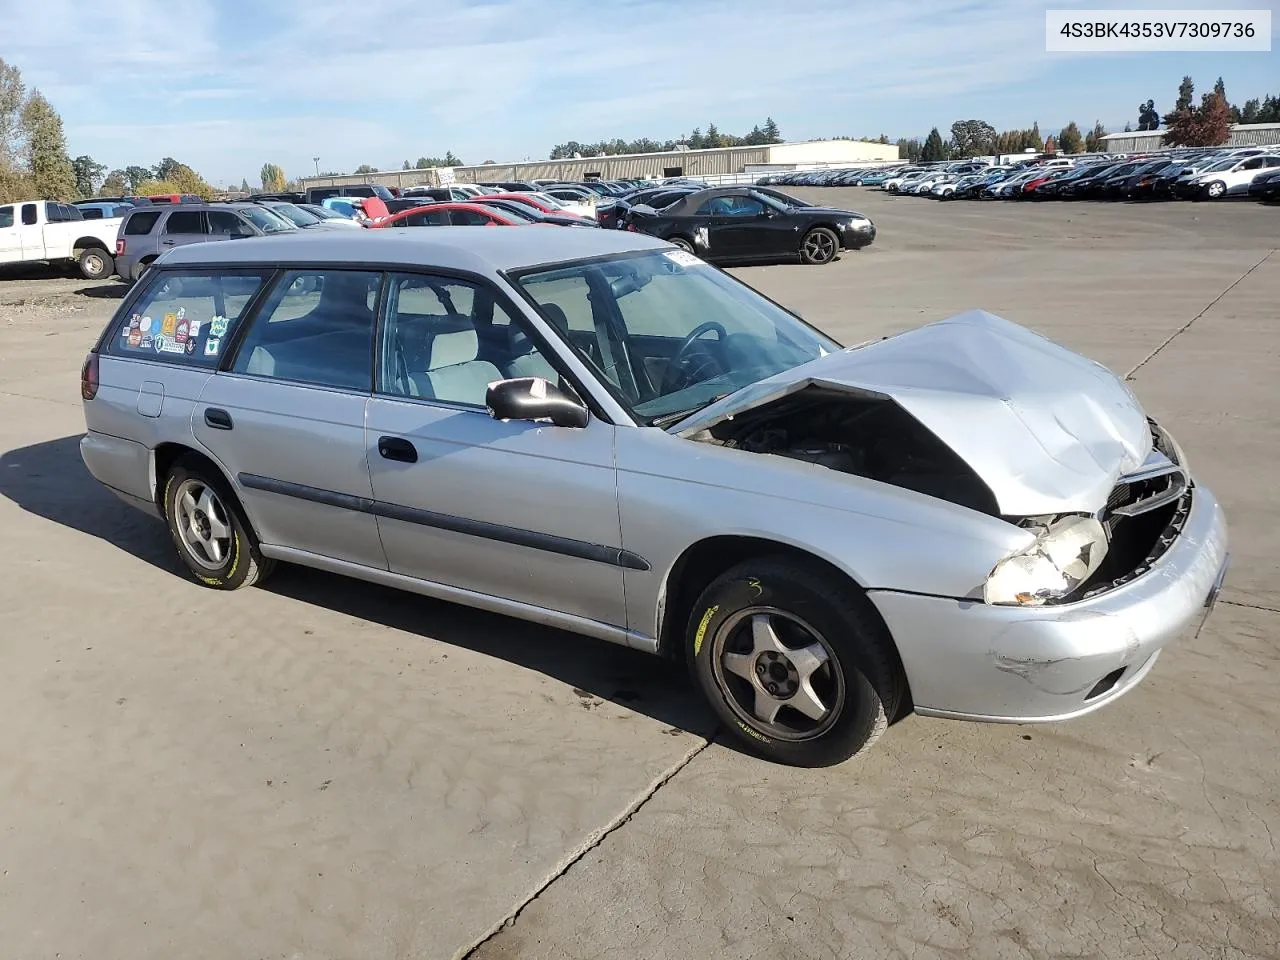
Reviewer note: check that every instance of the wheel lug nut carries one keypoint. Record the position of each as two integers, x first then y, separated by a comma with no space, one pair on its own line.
760,669
772,688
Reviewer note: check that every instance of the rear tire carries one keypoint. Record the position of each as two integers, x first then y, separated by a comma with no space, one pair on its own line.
830,664
209,529
95,263
682,243
1215,191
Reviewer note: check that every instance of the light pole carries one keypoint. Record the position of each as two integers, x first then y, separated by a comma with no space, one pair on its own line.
317,163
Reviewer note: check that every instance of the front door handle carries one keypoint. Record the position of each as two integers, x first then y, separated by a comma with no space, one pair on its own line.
397,448
167,243
217,419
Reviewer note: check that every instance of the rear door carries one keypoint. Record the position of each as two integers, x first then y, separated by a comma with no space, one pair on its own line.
285,416
182,227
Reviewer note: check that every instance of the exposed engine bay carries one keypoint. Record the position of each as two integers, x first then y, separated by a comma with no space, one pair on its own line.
864,435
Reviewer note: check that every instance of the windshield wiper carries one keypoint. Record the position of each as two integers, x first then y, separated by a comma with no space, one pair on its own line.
667,419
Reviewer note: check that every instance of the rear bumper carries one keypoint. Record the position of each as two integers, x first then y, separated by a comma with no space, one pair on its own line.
973,661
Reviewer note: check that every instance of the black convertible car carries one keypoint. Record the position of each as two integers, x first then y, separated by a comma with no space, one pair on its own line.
724,224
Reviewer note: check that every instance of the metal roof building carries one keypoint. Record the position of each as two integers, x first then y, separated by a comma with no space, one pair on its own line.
674,163
1242,135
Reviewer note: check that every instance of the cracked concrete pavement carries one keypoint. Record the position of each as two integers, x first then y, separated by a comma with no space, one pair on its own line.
323,769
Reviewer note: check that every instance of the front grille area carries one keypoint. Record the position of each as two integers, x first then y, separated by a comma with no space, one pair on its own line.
1137,542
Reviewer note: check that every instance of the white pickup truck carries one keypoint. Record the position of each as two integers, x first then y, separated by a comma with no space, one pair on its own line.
36,230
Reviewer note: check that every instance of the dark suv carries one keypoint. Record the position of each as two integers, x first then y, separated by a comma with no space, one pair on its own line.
317,194
147,232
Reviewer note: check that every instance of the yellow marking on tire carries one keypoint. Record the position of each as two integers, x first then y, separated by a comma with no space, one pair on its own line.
702,629
753,733
755,585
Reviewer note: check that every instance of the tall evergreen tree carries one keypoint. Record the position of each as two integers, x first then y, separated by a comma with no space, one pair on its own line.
1093,142
1070,140
771,132
934,148
46,150
88,173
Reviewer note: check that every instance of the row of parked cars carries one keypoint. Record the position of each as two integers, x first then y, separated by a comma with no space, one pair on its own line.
1205,174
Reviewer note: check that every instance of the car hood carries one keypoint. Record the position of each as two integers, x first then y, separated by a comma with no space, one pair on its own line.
1047,430
829,212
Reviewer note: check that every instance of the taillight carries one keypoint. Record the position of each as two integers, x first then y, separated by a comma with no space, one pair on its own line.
89,377
120,248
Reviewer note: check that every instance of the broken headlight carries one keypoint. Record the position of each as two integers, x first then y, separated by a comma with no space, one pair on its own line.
1066,552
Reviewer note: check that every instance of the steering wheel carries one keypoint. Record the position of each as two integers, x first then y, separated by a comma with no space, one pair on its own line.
676,368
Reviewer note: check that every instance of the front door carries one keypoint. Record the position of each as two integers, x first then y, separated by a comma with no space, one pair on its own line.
286,420
10,238
518,510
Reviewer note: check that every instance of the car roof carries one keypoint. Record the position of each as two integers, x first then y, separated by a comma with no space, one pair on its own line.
477,249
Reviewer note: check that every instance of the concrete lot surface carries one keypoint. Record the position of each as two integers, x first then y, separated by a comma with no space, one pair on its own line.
324,770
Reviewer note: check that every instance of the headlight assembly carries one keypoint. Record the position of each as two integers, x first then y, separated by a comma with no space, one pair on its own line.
1066,552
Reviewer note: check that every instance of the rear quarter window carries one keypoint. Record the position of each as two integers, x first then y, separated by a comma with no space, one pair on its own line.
185,317
140,224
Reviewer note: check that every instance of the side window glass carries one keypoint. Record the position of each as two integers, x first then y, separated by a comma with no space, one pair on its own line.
315,327
53,213
185,317
29,214
447,339
6,217
225,224
140,224
184,222
468,218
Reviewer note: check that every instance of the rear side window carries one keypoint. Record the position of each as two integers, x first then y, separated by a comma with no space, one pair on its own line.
185,221
6,217
29,214
140,224
185,317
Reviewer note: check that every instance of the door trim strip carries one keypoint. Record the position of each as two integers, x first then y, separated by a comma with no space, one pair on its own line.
580,549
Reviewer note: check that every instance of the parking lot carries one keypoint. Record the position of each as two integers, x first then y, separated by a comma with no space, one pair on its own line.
322,769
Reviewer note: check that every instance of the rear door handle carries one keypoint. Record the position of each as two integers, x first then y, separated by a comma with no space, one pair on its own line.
167,243
397,448
217,419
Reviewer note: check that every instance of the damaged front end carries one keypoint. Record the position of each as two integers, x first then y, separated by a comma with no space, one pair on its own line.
989,416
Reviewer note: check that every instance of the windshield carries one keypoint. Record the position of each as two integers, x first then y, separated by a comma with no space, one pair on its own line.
666,332
266,221
1225,163
322,213
295,215
547,200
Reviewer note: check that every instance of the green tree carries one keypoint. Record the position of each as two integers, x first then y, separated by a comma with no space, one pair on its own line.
972,138
934,148
88,174
909,148
1186,94
136,176
273,178
406,166
712,139
365,168
1070,140
771,132
13,94
116,184
46,149
166,169
244,185
1093,142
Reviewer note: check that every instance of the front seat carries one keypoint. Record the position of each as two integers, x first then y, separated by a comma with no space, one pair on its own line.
454,374
526,360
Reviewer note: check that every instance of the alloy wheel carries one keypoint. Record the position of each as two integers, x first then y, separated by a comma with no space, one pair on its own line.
777,673
203,524
819,247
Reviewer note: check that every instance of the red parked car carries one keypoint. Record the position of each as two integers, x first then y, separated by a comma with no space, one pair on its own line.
450,214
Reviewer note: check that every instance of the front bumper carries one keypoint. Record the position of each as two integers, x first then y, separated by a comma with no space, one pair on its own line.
968,660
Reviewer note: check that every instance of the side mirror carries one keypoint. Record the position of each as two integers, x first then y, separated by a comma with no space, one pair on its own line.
534,398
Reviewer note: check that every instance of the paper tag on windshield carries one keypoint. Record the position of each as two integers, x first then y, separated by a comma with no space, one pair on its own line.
684,258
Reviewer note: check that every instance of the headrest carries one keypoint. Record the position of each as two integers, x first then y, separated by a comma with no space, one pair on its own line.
555,313
461,346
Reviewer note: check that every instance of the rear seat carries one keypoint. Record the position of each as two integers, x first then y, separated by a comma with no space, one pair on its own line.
340,358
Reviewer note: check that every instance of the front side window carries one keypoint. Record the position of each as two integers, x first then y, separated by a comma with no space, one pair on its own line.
469,218
447,339
30,215
426,218
6,217
185,317
225,224
185,222
668,333
315,327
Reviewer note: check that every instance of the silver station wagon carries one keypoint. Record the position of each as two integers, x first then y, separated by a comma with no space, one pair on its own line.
595,430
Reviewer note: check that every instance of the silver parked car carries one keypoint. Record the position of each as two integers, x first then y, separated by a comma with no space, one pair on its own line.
595,430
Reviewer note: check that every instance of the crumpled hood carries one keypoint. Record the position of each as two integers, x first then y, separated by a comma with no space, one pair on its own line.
1046,429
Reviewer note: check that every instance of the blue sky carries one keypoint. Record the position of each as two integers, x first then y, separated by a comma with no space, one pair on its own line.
226,85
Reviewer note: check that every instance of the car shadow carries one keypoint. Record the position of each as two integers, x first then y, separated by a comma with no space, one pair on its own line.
105,291
49,480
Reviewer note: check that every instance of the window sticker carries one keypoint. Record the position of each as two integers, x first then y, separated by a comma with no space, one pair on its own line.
180,332
170,325
211,346
683,258
218,327
145,325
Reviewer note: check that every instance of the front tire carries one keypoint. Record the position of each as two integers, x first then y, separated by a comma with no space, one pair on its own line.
682,243
1216,190
94,263
819,246
209,529
794,662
